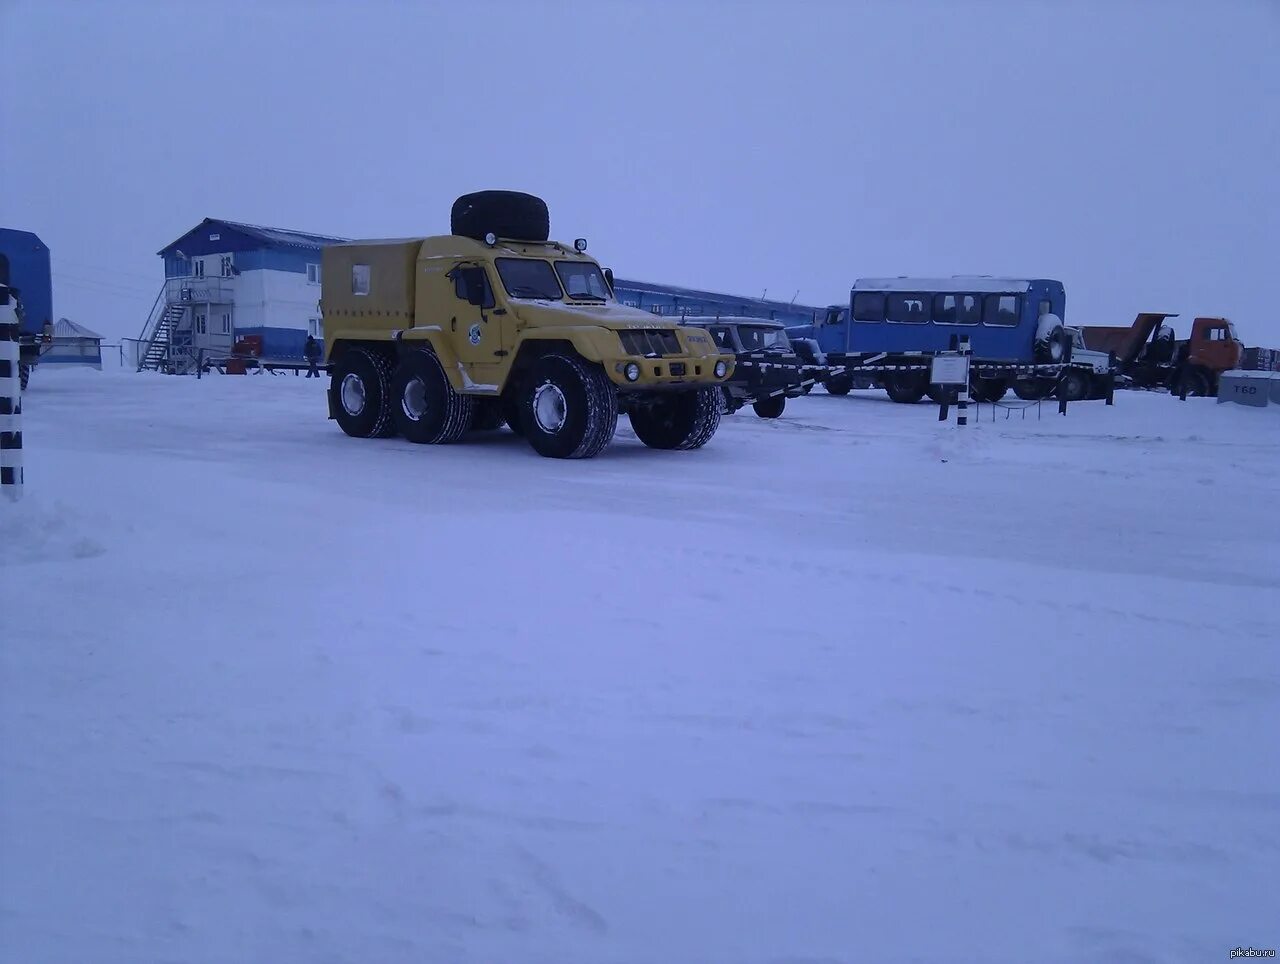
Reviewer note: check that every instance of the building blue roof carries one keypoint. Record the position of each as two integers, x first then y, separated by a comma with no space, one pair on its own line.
263,236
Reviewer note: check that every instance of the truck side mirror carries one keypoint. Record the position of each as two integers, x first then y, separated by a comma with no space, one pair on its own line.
608,277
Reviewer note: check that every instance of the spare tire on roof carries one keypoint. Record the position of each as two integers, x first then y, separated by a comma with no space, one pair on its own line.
507,214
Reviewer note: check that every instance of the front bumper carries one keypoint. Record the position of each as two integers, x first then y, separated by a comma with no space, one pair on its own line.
669,372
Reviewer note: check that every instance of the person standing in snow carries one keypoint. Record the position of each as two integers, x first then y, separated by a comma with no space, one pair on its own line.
312,353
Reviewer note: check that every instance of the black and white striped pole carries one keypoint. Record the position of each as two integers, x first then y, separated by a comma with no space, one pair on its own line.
962,395
10,399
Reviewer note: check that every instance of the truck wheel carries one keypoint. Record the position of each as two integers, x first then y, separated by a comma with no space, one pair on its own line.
507,214
486,415
568,408
937,393
839,385
905,388
360,392
1074,385
24,376
1195,383
424,406
989,390
1033,389
770,407
683,421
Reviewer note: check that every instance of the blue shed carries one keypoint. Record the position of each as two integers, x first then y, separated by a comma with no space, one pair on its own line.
24,265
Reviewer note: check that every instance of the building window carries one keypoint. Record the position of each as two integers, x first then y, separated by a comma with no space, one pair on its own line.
197,268
226,323
315,328
359,279
201,325
226,266
313,274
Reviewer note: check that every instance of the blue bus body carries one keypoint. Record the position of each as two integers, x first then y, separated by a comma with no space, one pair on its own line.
1000,316
24,265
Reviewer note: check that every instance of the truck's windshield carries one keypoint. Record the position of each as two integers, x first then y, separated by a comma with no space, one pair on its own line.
582,279
528,278
757,339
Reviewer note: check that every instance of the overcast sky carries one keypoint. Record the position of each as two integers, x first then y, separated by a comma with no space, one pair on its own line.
1128,148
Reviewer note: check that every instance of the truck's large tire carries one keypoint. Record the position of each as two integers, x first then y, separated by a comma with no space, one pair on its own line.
360,394
568,408
424,406
1033,389
507,214
24,377
906,388
1073,386
1195,381
989,390
686,420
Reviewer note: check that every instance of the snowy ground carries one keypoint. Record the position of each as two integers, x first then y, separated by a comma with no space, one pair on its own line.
848,686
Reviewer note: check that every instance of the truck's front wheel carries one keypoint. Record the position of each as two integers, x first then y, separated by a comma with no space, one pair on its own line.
687,420
360,394
568,408
1074,386
424,405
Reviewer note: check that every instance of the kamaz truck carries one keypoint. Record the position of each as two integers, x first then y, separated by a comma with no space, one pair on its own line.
434,337
24,268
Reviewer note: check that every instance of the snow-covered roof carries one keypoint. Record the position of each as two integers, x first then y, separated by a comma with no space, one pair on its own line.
274,237
66,328
954,283
284,236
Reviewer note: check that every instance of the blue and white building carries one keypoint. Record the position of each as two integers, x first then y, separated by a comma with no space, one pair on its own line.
225,280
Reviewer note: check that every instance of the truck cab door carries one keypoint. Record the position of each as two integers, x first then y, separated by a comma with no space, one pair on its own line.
476,323
1213,345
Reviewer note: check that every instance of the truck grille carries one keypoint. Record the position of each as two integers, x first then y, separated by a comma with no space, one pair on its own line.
650,341
677,368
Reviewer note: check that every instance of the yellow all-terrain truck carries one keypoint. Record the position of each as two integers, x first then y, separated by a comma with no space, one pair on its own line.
434,337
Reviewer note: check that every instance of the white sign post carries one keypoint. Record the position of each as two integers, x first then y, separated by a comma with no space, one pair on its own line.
952,369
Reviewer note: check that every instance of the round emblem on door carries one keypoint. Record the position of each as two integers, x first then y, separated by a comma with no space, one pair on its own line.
474,335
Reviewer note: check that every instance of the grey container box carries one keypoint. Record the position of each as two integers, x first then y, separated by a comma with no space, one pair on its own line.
1244,389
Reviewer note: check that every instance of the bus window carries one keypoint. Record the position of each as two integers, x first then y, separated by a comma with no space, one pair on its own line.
970,310
1002,310
868,306
909,308
944,309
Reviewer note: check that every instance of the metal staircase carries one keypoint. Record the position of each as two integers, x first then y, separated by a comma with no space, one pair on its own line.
157,356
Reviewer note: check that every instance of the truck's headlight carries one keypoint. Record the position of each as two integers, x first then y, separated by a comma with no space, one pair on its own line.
721,369
632,371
